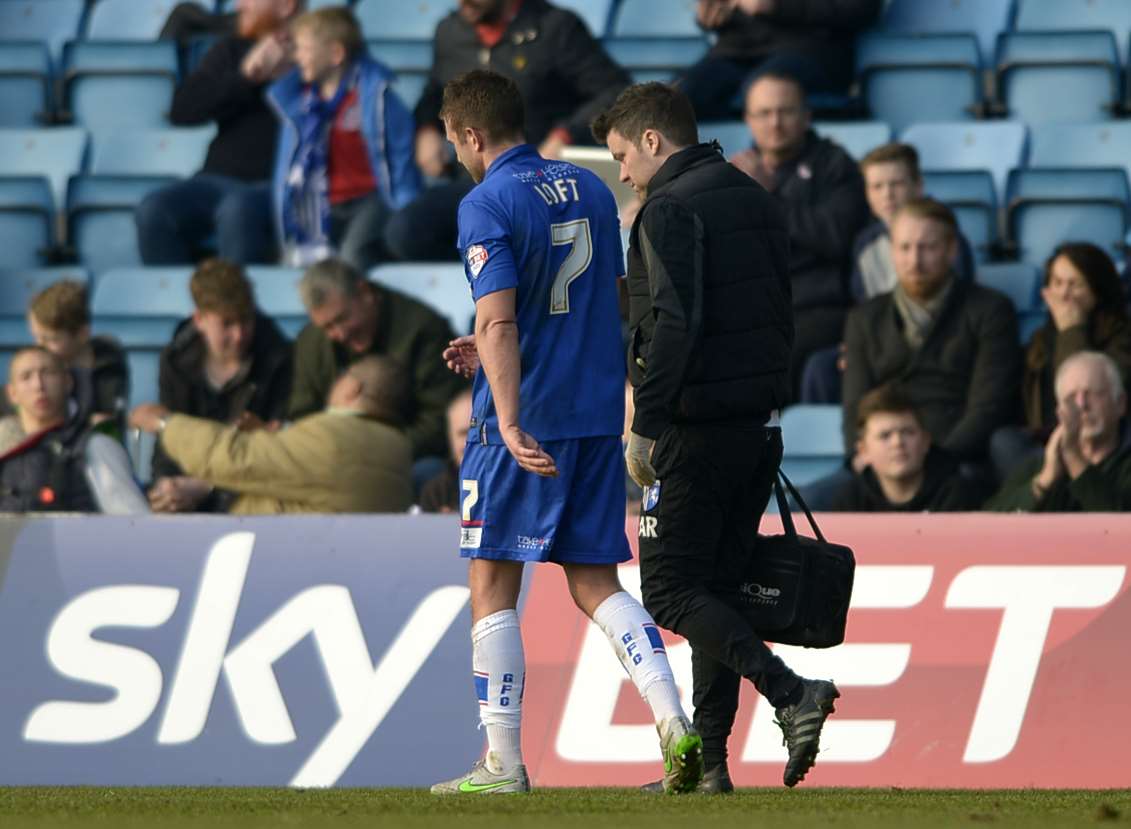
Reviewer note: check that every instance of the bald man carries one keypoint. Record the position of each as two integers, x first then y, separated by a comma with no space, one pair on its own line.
351,457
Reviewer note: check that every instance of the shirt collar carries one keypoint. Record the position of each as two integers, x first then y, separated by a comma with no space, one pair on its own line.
510,155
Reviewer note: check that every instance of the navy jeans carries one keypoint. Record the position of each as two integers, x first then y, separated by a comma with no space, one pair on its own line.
177,224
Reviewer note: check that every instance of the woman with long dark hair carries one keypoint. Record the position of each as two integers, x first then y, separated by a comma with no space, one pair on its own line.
1087,312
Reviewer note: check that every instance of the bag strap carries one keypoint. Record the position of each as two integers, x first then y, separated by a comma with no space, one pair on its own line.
784,511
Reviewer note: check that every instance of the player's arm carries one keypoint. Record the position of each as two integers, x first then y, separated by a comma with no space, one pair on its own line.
496,338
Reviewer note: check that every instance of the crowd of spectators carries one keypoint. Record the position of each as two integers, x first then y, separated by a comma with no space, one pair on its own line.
316,162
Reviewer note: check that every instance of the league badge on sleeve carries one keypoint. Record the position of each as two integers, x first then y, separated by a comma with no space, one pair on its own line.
476,259
651,496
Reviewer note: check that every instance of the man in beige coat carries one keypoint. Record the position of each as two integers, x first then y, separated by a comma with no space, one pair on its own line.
351,457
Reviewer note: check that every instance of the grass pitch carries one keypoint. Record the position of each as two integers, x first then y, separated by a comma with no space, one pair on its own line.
552,808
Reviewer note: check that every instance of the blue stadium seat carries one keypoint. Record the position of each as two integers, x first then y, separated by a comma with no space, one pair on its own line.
595,13
411,19
276,294
27,218
994,146
970,194
982,18
409,86
906,78
1020,281
131,19
656,58
56,154
1058,76
25,84
176,151
814,446
100,218
141,307
115,84
857,137
441,285
1029,321
655,18
1081,145
1048,206
398,55
17,287
52,22
1075,15
734,136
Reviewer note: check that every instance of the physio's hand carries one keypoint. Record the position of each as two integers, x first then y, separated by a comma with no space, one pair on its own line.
462,356
638,458
147,417
178,494
528,453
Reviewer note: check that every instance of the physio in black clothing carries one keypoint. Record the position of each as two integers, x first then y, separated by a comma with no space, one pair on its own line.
709,309
227,205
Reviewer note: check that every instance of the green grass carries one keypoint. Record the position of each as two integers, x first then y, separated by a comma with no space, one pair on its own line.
550,808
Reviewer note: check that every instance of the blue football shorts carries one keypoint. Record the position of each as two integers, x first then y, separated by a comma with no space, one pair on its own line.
578,517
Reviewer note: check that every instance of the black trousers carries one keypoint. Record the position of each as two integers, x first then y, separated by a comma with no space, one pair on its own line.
714,484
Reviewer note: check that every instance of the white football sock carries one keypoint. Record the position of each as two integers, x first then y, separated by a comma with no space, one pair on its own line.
500,674
639,647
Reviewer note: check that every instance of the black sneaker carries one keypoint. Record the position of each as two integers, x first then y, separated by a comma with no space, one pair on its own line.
801,724
716,780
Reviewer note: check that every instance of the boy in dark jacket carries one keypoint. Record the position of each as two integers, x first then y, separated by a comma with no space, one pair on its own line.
904,472
227,362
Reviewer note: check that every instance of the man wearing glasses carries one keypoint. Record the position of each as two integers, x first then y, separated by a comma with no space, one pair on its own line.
822,193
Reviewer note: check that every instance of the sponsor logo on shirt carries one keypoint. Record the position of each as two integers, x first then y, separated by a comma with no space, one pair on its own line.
476,259
527,542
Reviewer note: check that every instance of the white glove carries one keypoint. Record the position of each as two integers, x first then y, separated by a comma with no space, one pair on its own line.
638,458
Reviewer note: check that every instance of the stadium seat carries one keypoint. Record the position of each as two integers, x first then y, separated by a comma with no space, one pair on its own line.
1081,145
412,19
398,55
52,22
25,84
276,294
814,446
656,58
131,19
1020,281
141,307
17,287
1048,206
111,85
409,86
100,219
441,285
27,218
655,18
1029,321
905,79
734,136
970,194
595,13
982,18
1075,15
995,146
1058,76
56,154
176,151
856,137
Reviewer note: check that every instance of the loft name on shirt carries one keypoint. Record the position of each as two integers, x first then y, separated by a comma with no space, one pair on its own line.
558,191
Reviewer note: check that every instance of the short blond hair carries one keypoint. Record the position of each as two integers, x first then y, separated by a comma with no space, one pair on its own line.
334,24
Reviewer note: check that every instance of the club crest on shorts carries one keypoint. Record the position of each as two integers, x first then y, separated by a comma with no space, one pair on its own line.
476,259
651,496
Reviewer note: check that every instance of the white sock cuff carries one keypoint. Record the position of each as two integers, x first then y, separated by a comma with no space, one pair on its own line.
613,605
500,620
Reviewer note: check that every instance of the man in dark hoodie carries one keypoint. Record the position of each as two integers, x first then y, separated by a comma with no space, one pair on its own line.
227,362
904,472
227,205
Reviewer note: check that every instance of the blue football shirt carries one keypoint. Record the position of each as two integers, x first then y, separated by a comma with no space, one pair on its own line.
550,230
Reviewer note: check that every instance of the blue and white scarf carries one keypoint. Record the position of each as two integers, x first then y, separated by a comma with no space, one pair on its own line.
306,198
